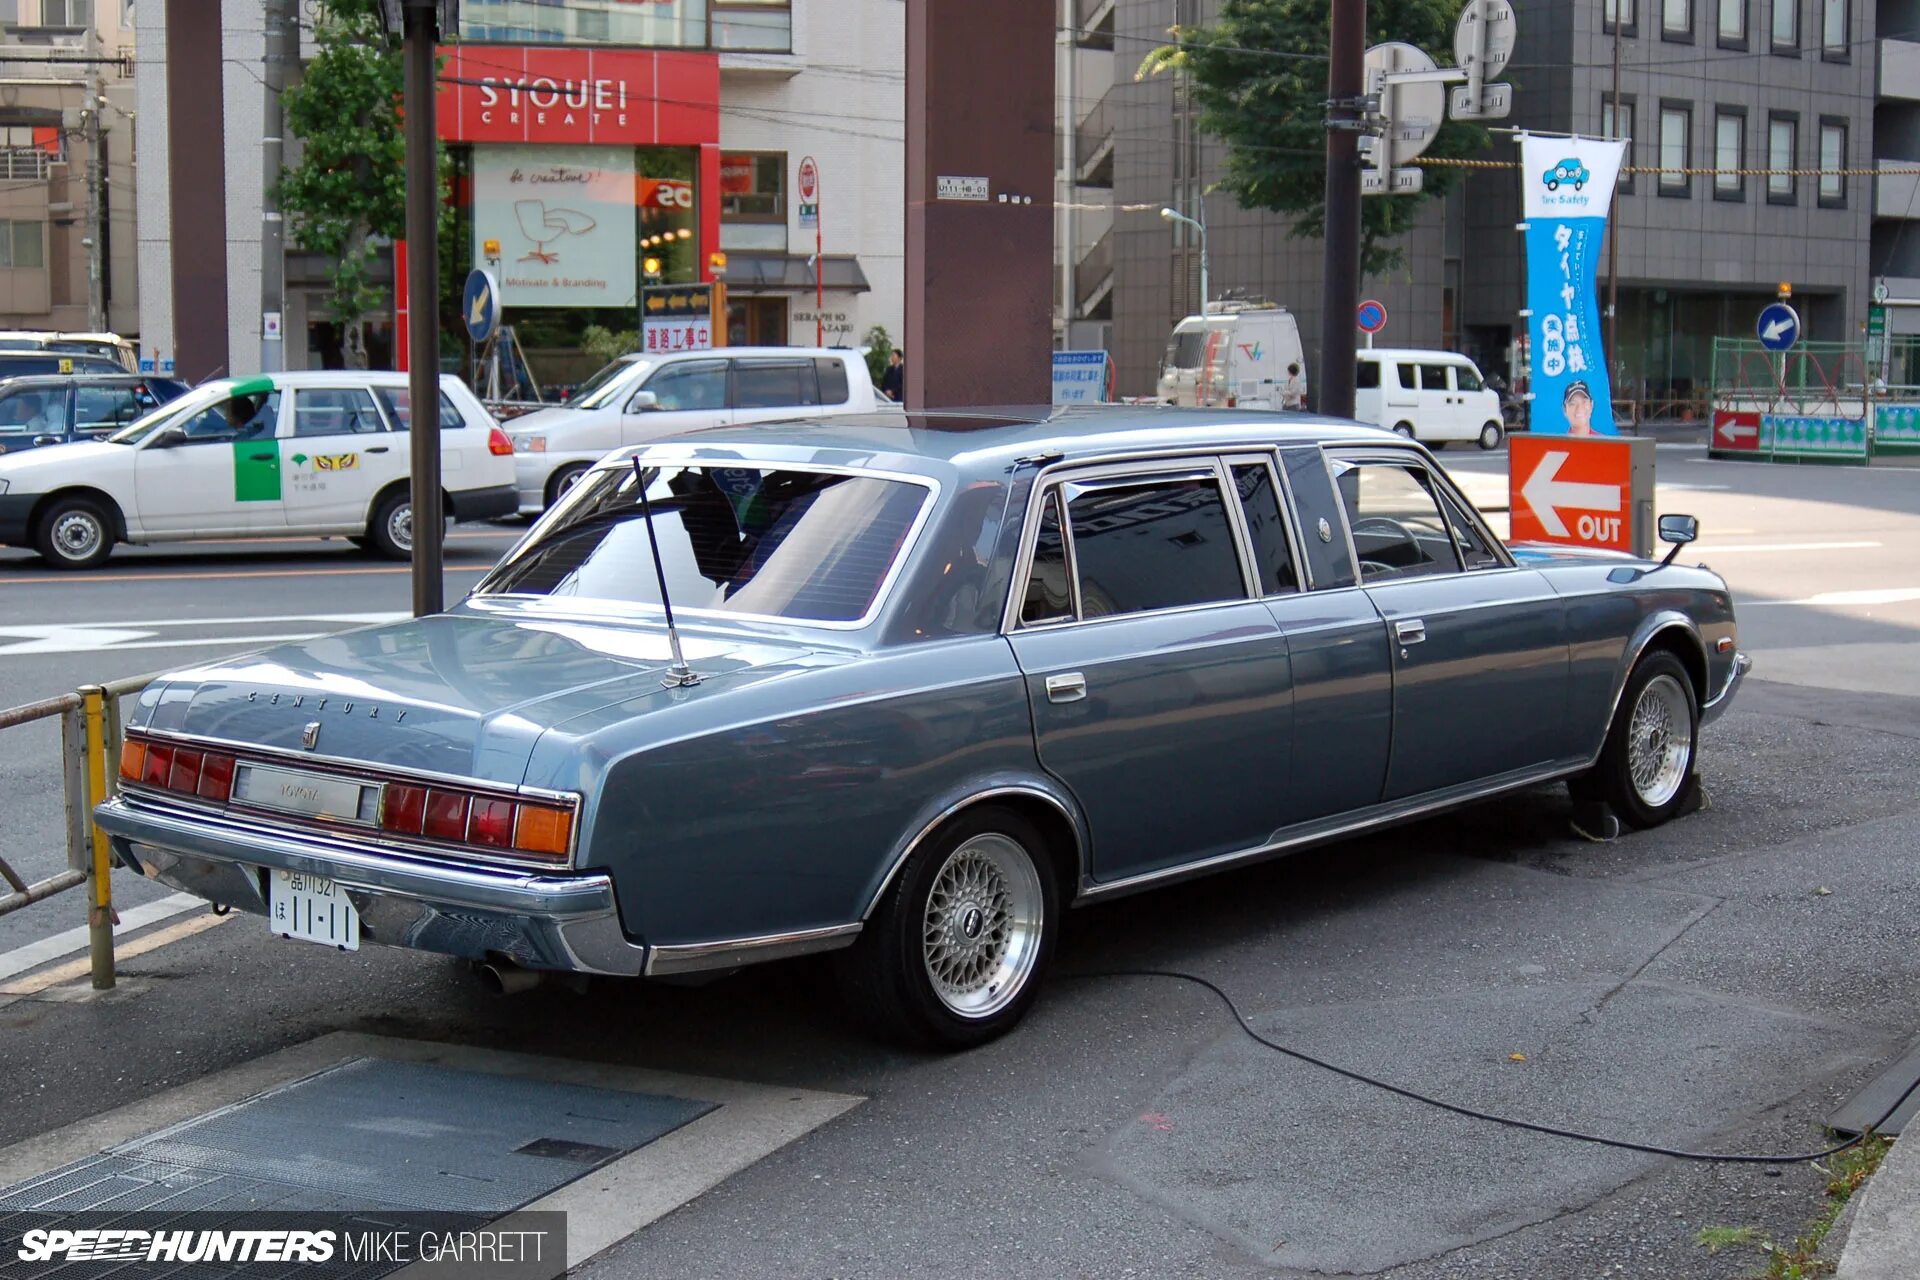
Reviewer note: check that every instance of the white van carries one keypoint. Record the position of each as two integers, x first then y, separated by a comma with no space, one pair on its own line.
1232,358
1430,396
639,398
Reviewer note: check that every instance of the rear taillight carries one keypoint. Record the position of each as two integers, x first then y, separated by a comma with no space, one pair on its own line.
182,770
498,444
447,815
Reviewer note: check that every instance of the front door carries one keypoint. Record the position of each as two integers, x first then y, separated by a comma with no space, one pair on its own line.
224,476
685,395
1479,646
334,456
1159,686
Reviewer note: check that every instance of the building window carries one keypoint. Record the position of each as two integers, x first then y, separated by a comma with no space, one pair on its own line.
1833,157
1729,153
760,26
661,24
22,244
1618,123
1786,25
592,24
1834,45
1733,24
1676,128
1623,14
66,13
1783,141
753,200
1676,20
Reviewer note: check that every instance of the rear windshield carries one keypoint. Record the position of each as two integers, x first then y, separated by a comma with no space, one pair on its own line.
804,546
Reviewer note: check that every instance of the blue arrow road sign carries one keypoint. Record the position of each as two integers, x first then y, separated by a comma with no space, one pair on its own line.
1778,327
480,304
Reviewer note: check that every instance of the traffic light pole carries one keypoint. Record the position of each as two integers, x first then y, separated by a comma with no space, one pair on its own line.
423,294
1340,292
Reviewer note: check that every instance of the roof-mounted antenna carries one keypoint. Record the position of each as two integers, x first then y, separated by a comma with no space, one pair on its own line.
679,675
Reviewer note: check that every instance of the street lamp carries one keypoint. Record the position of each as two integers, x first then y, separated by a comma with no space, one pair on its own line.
1171,215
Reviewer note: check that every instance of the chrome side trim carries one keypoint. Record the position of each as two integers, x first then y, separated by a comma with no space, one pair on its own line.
696,957
1334,828
1079,837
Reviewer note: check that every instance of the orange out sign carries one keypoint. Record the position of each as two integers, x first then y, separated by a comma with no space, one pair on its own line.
1582,491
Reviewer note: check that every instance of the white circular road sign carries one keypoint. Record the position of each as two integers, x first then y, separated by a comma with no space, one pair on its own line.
1497,15
1414,112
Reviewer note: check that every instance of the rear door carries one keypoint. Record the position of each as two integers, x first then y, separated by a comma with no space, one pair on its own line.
766,388
1400,392
337,450
1158,682
1440,414
33,414
687,394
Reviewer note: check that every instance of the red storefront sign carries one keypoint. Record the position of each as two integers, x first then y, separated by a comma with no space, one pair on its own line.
605,97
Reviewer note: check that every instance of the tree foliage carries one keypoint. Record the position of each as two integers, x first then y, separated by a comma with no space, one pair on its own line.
348,193
1259,77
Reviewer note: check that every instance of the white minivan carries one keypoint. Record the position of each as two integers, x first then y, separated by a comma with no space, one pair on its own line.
1430,396
639,398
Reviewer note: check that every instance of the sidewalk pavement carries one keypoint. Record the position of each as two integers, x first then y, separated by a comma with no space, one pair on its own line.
1884,1241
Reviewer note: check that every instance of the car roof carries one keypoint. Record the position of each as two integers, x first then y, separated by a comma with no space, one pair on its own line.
711,353
990,441
1428,354
334,377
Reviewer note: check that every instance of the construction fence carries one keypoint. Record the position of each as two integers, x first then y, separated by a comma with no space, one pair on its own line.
1833,402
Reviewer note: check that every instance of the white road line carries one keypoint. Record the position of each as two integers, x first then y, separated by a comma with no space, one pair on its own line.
1835,599
1782,546
228,622
59,945
70,640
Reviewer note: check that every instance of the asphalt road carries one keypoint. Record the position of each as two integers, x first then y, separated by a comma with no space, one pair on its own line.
1717,984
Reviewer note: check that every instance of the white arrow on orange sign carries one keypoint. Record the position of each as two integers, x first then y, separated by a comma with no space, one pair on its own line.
1546,495
1732,431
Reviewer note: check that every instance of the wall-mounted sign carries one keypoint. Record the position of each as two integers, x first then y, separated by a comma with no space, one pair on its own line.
631,97
676,317
564,217
946,187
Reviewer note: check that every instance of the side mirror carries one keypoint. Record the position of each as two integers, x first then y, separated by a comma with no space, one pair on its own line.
643,402
1679,530
169,438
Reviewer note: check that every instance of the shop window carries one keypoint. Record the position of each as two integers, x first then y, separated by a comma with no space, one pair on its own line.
760,26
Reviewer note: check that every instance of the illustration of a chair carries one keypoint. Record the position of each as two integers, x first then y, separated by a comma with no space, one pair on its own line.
543,226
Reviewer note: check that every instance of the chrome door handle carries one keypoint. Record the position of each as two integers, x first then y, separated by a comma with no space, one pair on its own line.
1410,631
1070,687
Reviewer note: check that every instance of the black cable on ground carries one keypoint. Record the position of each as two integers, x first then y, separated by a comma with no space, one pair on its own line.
1470,1113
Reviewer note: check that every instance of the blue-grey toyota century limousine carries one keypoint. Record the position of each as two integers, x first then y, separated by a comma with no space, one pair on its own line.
943,678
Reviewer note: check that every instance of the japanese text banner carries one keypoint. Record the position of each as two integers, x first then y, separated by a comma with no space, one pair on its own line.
1568,184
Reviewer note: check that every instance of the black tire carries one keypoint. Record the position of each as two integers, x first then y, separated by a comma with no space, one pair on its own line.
390,531
1490,436
74,533
1658,677
1438,446
1404,429
361,541
886,978
564,479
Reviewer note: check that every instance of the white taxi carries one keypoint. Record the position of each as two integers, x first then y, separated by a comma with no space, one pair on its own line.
318,453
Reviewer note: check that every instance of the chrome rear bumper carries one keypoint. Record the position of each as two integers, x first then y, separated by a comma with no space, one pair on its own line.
1717,705
539,921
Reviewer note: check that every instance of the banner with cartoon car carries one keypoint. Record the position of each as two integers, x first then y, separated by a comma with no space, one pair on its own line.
1568,184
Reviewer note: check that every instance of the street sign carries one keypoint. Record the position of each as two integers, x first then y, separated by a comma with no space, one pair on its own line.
1778,326
270,325
1402,182
1735,430
677,317
480,304
1495,17
809,191
1080,377
1496,102
950,187
1371,316
1585,491
1414,110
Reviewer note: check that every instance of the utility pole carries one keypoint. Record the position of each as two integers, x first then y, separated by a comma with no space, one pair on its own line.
96,239
1340,291
1613,223
282,49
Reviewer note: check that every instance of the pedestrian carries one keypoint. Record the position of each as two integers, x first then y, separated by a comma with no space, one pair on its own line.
1293,392
893,383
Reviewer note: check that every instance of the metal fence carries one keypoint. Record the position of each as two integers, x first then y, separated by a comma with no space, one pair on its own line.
89,747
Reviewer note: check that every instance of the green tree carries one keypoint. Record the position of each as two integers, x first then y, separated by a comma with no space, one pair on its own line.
347,196
607,345
879,347
1259,77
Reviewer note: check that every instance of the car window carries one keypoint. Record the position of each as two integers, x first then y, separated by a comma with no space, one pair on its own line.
1266,527
774,384
1366,376
807,546
1433,377
34,411
1151,543
1049,597
1474,548
1398,531
109,407
400,409
1323,543
691,384
335,411
1465,379
833,380
253,416
1409,376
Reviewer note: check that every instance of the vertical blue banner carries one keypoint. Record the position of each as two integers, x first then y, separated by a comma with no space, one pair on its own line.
1567,186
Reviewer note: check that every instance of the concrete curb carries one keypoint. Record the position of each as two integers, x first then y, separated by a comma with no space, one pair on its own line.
1884,1240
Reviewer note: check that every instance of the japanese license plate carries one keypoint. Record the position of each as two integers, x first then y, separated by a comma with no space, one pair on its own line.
304,906
316,795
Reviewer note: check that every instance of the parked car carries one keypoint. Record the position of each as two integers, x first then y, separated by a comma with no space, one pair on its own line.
30,362
943,679
284,453
644,397
109,346
58,409
1430,396
1234,356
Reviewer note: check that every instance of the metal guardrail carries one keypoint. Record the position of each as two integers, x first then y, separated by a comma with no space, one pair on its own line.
89,743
